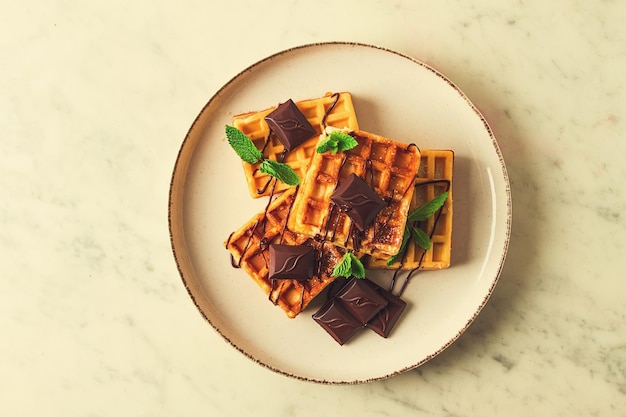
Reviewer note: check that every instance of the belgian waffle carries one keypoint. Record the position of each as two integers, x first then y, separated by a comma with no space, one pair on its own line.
433,178
334,110
249,249
388,167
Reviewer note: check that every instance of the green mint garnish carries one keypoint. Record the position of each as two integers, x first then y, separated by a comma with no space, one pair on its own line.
245,149
242,145
279,170
428,209
337,142
349,266
420,237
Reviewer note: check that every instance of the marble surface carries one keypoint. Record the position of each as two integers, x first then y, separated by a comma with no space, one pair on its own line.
95,99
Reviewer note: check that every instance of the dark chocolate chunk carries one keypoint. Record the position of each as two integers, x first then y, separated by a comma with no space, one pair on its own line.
336,321
289,125
361,300
354,197
291,262
386,319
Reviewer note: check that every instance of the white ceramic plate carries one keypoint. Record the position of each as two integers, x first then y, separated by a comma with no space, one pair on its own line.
395,96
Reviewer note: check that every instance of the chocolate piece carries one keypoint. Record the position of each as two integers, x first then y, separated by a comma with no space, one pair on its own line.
291,262
386,319
361,300
354,197
336,321
289,125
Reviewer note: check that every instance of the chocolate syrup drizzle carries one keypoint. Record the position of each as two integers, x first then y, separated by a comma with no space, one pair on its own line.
412,272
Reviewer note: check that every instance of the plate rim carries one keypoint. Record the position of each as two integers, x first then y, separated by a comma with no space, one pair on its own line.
172,209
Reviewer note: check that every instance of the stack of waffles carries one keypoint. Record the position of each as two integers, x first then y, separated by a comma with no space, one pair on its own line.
402,176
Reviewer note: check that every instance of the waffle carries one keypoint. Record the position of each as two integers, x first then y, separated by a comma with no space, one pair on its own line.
387,166
253,124
249,250
435,165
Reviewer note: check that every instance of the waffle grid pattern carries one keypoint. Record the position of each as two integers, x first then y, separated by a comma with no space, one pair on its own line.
435,165
387,166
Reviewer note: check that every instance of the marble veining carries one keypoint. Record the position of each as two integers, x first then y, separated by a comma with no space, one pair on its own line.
96,99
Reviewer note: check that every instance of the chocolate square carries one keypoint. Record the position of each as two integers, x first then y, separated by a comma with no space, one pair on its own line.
336,321
289,125
361,300
354,197
291,262
383,322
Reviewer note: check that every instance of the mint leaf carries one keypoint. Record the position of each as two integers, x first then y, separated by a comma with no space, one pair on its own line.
327,145
242,145
349,266
405,241
429,208
279,170
344,267
421,238
358,270
344,141
337,142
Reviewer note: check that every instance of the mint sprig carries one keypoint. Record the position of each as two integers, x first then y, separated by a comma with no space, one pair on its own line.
242,145
349,266
428,209
420,237
336,142
279,170
245,149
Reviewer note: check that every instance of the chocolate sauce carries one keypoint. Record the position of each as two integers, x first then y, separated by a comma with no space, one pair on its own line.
432,232
330,109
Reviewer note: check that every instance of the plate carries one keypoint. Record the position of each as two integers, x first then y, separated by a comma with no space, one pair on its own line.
396,96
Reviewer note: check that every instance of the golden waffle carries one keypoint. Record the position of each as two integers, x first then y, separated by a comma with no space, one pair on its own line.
249,249
387,166
253,124
436,165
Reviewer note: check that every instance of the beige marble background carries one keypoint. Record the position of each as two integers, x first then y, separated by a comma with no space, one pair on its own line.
95,99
